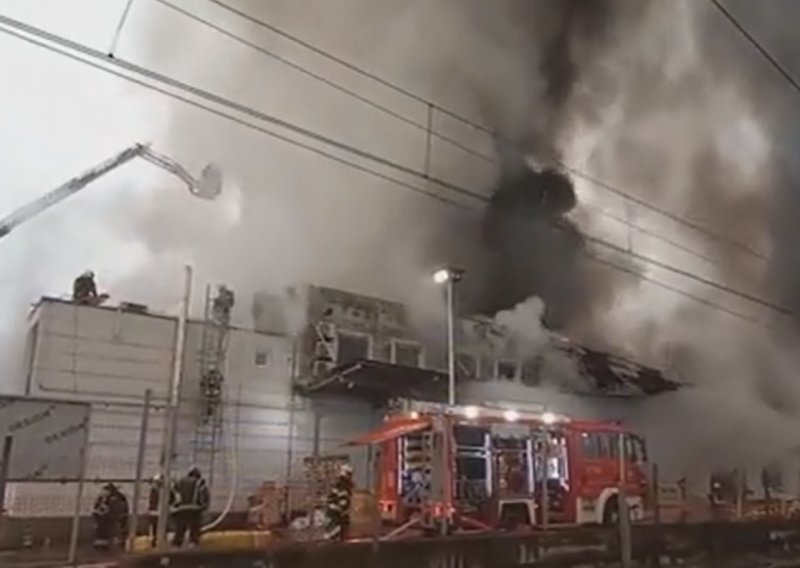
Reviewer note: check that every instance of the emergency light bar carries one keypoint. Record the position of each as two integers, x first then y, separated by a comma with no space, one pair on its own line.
414,409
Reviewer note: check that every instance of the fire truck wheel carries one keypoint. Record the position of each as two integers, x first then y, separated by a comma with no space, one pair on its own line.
611,511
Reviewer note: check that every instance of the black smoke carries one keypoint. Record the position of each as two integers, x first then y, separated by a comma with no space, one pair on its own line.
533,248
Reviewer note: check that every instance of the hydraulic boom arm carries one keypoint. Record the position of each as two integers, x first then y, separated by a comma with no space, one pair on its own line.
207,187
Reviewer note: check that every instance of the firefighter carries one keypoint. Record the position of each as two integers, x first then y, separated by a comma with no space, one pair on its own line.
223,305
191,501
153,501
103,526
84,289
110,516
120,510
338,504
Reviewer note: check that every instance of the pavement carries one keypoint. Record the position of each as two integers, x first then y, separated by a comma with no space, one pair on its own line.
55,559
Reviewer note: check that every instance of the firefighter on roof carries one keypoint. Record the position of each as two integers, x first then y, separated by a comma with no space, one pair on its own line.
338,504
84,289
191,501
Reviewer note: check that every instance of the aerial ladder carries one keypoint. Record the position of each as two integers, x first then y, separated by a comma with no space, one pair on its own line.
208,186
211,360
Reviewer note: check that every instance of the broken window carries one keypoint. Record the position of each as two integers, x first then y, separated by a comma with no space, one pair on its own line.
466,366
531,372
507,370
407,353
352,347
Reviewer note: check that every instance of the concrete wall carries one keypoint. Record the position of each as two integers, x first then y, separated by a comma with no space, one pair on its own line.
111,357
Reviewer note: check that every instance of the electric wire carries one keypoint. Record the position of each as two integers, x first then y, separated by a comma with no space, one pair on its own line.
328,82
118,32
673,289
63,42
234,118
714,235
771,59
428,129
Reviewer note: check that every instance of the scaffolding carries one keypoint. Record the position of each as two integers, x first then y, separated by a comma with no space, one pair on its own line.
211,359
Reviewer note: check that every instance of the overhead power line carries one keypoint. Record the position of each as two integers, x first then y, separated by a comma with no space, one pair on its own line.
238,107
672,289
710,233
432,132
322,79
67,45
235,119
782,71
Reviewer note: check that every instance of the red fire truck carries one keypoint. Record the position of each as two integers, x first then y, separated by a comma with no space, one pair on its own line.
486,468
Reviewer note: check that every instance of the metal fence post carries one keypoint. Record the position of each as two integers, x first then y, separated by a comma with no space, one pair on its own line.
171,412
72,555
137,487
655,495
5,469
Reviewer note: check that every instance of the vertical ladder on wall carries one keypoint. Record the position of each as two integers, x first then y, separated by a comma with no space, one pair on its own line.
211,364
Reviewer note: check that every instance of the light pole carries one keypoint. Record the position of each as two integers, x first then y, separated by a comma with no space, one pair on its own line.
449,277
207,186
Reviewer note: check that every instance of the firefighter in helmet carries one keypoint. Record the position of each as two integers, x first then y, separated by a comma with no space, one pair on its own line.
191,501
110,516
84,289
338,504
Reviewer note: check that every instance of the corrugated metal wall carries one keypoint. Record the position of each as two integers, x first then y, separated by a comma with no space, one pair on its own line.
111,358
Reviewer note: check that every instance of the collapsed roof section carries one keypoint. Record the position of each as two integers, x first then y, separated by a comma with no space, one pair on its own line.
355,345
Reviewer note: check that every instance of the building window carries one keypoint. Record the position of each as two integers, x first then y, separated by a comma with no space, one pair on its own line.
261,359
406,353
507,370
531,372
352,347
466,366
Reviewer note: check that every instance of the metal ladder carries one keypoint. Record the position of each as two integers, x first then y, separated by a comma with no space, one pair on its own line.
211,365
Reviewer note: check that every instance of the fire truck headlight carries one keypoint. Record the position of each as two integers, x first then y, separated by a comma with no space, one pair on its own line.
414,415
511,415
471,412
549,418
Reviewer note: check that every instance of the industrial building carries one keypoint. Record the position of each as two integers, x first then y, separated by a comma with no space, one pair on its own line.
286,395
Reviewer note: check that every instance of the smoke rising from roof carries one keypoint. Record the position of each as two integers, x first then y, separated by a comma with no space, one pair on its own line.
654,97
659,98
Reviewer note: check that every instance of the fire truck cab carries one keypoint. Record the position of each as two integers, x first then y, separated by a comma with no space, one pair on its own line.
487,468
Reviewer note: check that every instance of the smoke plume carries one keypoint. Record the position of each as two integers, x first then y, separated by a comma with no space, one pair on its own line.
659,98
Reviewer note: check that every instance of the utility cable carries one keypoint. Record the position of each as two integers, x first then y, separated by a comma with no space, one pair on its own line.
672,289
212,110
9,22
714,235
118,32
238,107
431,132
782,71
318,77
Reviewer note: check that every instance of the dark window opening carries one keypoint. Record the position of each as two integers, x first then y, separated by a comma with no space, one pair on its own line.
507,370
531,372
466,366
352,347
407,354
261,359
